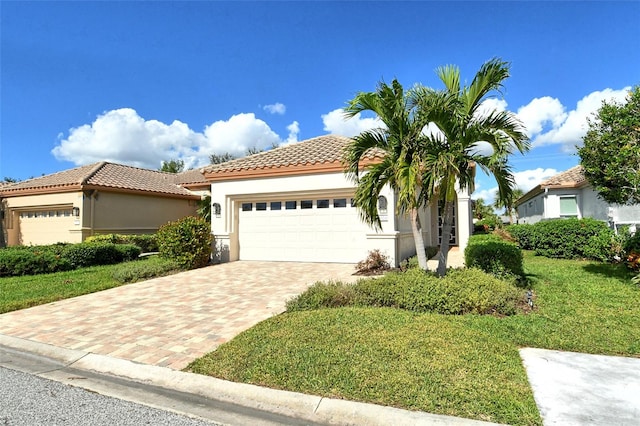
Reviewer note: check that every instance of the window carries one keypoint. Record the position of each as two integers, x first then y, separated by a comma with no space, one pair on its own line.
339,202
261,206
306,204
291,205
568,206
216,209
382,205
322,204
247,207
276,205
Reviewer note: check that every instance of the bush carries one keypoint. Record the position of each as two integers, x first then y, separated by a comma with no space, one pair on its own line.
323,295
461,291
30,261
412,262
494,256
146,242
138,270
375,262
523,234
186,241
91,254
487,225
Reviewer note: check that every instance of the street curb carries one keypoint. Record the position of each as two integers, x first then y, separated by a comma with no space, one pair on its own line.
292,404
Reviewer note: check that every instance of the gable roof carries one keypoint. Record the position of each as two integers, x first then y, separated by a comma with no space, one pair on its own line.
103,175
319,154
572,178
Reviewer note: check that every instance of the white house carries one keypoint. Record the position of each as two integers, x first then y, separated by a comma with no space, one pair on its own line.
568,194
294,203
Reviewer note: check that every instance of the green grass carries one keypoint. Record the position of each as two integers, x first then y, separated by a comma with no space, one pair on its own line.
466,366
32,290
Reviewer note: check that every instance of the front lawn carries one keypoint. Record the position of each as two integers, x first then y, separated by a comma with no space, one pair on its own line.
30,290
466,366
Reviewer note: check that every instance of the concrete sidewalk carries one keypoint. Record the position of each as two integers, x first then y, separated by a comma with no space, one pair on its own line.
582,389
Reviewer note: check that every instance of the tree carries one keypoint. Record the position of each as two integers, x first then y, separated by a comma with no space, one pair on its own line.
481,210
221,158
508,205
398,144
172,166
610,154
458,123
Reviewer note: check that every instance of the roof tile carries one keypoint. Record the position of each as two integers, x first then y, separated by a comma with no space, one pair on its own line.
572,177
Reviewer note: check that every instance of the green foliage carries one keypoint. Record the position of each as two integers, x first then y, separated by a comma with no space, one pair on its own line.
459,292
18,261
186,241
412,262
495,256
322,295
569,239
146,242
139,270
91,254
487,224
172,166
610,154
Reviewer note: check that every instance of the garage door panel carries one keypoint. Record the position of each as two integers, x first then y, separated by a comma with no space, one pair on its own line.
316,235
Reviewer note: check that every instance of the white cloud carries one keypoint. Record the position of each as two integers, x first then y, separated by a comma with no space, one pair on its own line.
123,136
335,122
525,180
548,123
276,108
490,105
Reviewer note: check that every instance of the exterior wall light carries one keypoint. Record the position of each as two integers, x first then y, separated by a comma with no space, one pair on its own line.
76,211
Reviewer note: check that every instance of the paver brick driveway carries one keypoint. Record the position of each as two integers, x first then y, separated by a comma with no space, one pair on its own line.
170,321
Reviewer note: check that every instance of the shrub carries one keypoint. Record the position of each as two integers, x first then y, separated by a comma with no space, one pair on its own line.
459,292
376,261
573,238
523,234
144,269
30,261
146,242
494,256
487,225
91,254
186,241
412,262
322,295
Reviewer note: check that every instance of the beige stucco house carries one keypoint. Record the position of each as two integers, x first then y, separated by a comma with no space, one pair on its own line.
294,203
95,199
569,194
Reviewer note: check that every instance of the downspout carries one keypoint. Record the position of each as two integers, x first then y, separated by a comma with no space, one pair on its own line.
94,194
544,206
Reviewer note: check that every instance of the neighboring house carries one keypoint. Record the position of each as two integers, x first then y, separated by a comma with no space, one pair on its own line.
568,194
98,198
294,203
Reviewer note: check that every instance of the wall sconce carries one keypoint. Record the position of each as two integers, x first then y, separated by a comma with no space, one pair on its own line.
216,209
76,211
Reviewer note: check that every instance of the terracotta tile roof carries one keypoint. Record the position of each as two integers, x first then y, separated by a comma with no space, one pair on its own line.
190,177
101,175
572,177
319,150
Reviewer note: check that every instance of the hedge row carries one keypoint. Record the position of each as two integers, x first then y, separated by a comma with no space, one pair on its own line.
147,242
461,291
569,239
32,260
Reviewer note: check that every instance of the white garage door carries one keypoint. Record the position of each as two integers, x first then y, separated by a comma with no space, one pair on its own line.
303,230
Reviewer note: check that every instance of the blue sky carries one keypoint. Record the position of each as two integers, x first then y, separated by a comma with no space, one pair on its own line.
142,82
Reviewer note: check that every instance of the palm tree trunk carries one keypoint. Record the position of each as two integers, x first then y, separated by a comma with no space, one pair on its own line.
447,223
418,240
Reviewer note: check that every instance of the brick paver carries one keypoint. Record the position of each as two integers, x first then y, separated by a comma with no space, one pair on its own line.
172,320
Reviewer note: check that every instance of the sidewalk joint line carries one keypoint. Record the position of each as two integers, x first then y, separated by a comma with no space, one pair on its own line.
315,410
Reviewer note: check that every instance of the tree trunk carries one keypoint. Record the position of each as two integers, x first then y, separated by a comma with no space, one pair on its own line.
418,240
447,223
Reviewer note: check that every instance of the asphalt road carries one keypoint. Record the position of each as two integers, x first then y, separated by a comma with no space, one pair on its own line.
30,400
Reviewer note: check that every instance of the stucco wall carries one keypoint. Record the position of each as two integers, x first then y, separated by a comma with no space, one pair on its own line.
132,213
532,211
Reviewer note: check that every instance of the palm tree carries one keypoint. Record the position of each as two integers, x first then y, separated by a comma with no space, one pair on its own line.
509,204
452,153
398,144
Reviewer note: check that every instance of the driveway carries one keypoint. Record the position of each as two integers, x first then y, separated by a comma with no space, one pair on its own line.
171,321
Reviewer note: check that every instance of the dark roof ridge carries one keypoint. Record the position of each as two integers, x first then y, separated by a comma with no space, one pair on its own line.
92,172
